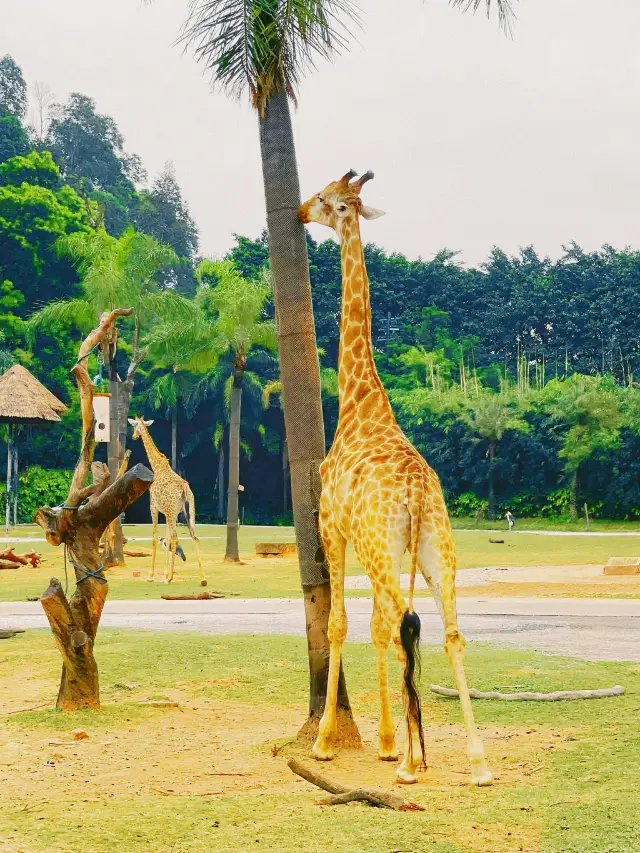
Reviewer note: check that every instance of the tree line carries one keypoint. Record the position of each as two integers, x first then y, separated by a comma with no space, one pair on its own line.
515,378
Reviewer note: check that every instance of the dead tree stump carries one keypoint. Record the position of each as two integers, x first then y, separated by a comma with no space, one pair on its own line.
79,525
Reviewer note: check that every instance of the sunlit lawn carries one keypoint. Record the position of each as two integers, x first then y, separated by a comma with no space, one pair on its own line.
212,775
259,577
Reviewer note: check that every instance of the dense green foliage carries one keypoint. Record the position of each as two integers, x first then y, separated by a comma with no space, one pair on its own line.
515,378
39,487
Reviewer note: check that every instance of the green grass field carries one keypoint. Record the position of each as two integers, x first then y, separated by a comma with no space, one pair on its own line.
261,577
156,779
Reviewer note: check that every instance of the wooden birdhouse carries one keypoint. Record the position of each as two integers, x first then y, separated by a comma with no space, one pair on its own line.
101,415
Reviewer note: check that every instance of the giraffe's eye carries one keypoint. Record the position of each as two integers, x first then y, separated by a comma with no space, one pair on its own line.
341,207
320,199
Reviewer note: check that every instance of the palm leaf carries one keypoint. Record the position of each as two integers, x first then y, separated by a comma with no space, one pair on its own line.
506,15
265,45
61,314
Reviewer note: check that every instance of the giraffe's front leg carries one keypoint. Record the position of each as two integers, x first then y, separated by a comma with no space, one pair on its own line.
334,547
381,638
328,728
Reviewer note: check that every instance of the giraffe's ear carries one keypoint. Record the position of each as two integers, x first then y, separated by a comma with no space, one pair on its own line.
131,421
147,423
370,212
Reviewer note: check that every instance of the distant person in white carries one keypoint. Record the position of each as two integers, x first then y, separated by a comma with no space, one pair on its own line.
510,519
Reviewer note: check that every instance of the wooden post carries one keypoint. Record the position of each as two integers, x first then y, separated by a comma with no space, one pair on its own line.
7,507
15,476
79,525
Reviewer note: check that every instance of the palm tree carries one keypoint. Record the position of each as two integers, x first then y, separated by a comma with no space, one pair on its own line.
588,411
264,47
165,392
489,416
133,270
229,320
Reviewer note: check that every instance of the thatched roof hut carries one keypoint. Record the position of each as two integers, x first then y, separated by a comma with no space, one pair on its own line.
23,400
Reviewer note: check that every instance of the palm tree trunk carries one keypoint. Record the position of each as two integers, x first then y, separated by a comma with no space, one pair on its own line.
490,480
300,375
114,549
174,438
232,552
285,476
573,496
221,479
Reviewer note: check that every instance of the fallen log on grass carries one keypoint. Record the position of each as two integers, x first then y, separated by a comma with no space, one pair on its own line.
29,559
7,564
558,696
342,794
202,596
7,633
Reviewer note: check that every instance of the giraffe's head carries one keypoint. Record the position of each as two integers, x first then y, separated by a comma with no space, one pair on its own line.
139,426
337,202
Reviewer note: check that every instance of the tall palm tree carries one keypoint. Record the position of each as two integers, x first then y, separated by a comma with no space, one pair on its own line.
264,47
588,412
166,392
229,321
489,415
132,270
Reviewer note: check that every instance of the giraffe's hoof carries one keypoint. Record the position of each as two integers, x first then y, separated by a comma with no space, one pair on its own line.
405,778
387,751
321,752
150,580
203,582
483,778
391,755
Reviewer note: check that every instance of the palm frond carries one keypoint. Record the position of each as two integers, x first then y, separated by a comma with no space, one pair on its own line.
61,314
163,392
6,360
273,387
504,8
266,46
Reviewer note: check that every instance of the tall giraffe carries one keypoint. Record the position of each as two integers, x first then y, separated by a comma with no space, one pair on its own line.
170,495
380,494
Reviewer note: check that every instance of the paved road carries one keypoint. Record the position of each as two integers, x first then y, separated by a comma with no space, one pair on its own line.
594,629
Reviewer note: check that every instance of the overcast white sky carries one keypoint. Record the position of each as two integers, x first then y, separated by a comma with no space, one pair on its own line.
475,140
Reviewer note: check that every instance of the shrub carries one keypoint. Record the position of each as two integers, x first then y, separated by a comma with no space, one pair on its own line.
39,487
468,504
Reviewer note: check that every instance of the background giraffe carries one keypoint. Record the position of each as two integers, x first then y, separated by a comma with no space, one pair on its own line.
170,495
380,494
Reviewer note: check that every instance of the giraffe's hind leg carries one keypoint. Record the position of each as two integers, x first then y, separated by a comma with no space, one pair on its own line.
334,546
154,539
190,513
170,537
381,638
442,584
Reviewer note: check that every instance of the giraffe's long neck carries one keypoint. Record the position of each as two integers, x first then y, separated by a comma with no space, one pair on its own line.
357,374
156,459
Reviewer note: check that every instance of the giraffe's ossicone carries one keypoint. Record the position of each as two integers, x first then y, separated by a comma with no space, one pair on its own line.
379,494
170,495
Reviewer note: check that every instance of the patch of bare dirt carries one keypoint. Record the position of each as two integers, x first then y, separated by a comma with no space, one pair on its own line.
213,748
540,589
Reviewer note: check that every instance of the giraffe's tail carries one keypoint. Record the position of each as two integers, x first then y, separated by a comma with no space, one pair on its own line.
415,514
410,639
189,510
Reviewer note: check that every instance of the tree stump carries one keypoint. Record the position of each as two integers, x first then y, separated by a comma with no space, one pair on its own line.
79,525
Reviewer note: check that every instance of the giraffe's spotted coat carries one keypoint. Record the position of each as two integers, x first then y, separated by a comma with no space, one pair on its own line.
170,495
379,494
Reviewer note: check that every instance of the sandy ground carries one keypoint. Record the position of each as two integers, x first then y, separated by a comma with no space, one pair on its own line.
531,581
227,748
